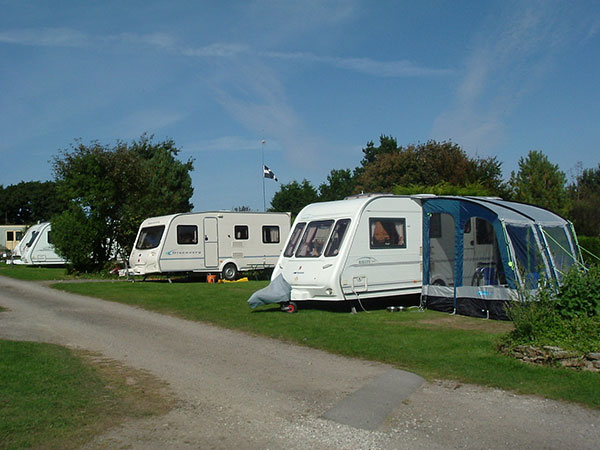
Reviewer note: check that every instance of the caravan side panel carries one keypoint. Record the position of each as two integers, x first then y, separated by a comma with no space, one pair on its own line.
386,254
184,244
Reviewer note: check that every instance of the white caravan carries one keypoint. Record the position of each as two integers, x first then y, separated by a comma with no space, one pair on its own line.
38,250
223,242
361,247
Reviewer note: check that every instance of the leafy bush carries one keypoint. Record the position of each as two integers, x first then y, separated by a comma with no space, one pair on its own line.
567,316
579,293
590,248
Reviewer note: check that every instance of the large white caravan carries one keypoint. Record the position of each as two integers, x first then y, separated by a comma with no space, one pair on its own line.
38,249
362,247
223,242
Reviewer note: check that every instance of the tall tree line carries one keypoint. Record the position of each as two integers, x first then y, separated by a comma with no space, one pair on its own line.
444,168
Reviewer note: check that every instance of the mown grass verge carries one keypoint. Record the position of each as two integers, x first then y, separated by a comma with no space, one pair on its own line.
53,397
435,345
31,273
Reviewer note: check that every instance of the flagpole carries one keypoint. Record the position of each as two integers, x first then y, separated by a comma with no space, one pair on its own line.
263,175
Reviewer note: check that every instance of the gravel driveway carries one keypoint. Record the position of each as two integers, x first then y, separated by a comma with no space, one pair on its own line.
240,391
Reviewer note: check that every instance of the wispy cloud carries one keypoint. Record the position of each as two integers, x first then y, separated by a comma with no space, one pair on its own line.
66,37
219,50
45,37
157,40
508,60
146,121
403,68
225,144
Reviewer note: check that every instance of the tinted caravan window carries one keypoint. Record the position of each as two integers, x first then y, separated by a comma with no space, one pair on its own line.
435,226
314,238
150,237
33,236
387,232
240,232
333,247
484,231
289,250
187,234
270,234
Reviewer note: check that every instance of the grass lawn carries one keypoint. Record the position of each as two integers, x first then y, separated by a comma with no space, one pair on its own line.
31,273
52,397
435,345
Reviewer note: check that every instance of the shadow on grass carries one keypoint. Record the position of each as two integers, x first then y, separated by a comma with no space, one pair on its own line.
346,306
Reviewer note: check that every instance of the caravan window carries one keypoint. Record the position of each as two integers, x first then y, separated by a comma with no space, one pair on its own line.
49,236
314,238
150,237
33,236
484,231
435,226
240,232
387,232
289,250
10,236
19,235
270,234
187,234
333,247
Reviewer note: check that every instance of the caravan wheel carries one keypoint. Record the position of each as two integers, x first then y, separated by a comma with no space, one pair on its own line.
289,307
230,272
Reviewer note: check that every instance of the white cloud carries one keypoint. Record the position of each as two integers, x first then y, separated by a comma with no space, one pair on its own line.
158,40
506,64
402,68
220,50
146,121
226,144
45,37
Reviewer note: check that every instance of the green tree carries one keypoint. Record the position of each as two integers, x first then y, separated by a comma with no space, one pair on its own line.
340,184
443,189
29,202
293,197
387,145
110,191
428,164
540,183
585,202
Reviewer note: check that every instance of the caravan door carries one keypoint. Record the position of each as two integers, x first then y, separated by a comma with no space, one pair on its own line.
211,242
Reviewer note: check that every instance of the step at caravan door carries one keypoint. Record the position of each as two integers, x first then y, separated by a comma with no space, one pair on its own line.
211,242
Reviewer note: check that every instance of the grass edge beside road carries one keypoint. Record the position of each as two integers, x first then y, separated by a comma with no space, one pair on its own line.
432,344
55,397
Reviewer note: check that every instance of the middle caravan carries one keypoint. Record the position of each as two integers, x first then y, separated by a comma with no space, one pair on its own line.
224,242
362,247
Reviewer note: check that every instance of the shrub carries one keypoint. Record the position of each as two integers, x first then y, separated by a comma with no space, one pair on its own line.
579,293
567,316
590,248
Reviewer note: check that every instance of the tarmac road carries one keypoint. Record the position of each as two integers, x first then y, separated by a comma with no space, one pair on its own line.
245,392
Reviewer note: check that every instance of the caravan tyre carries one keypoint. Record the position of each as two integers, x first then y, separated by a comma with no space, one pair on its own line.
290,307
230,272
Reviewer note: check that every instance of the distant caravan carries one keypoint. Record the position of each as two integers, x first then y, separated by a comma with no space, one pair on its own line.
220,242
37,249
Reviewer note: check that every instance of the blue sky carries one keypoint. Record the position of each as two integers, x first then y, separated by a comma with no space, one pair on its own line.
315,79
